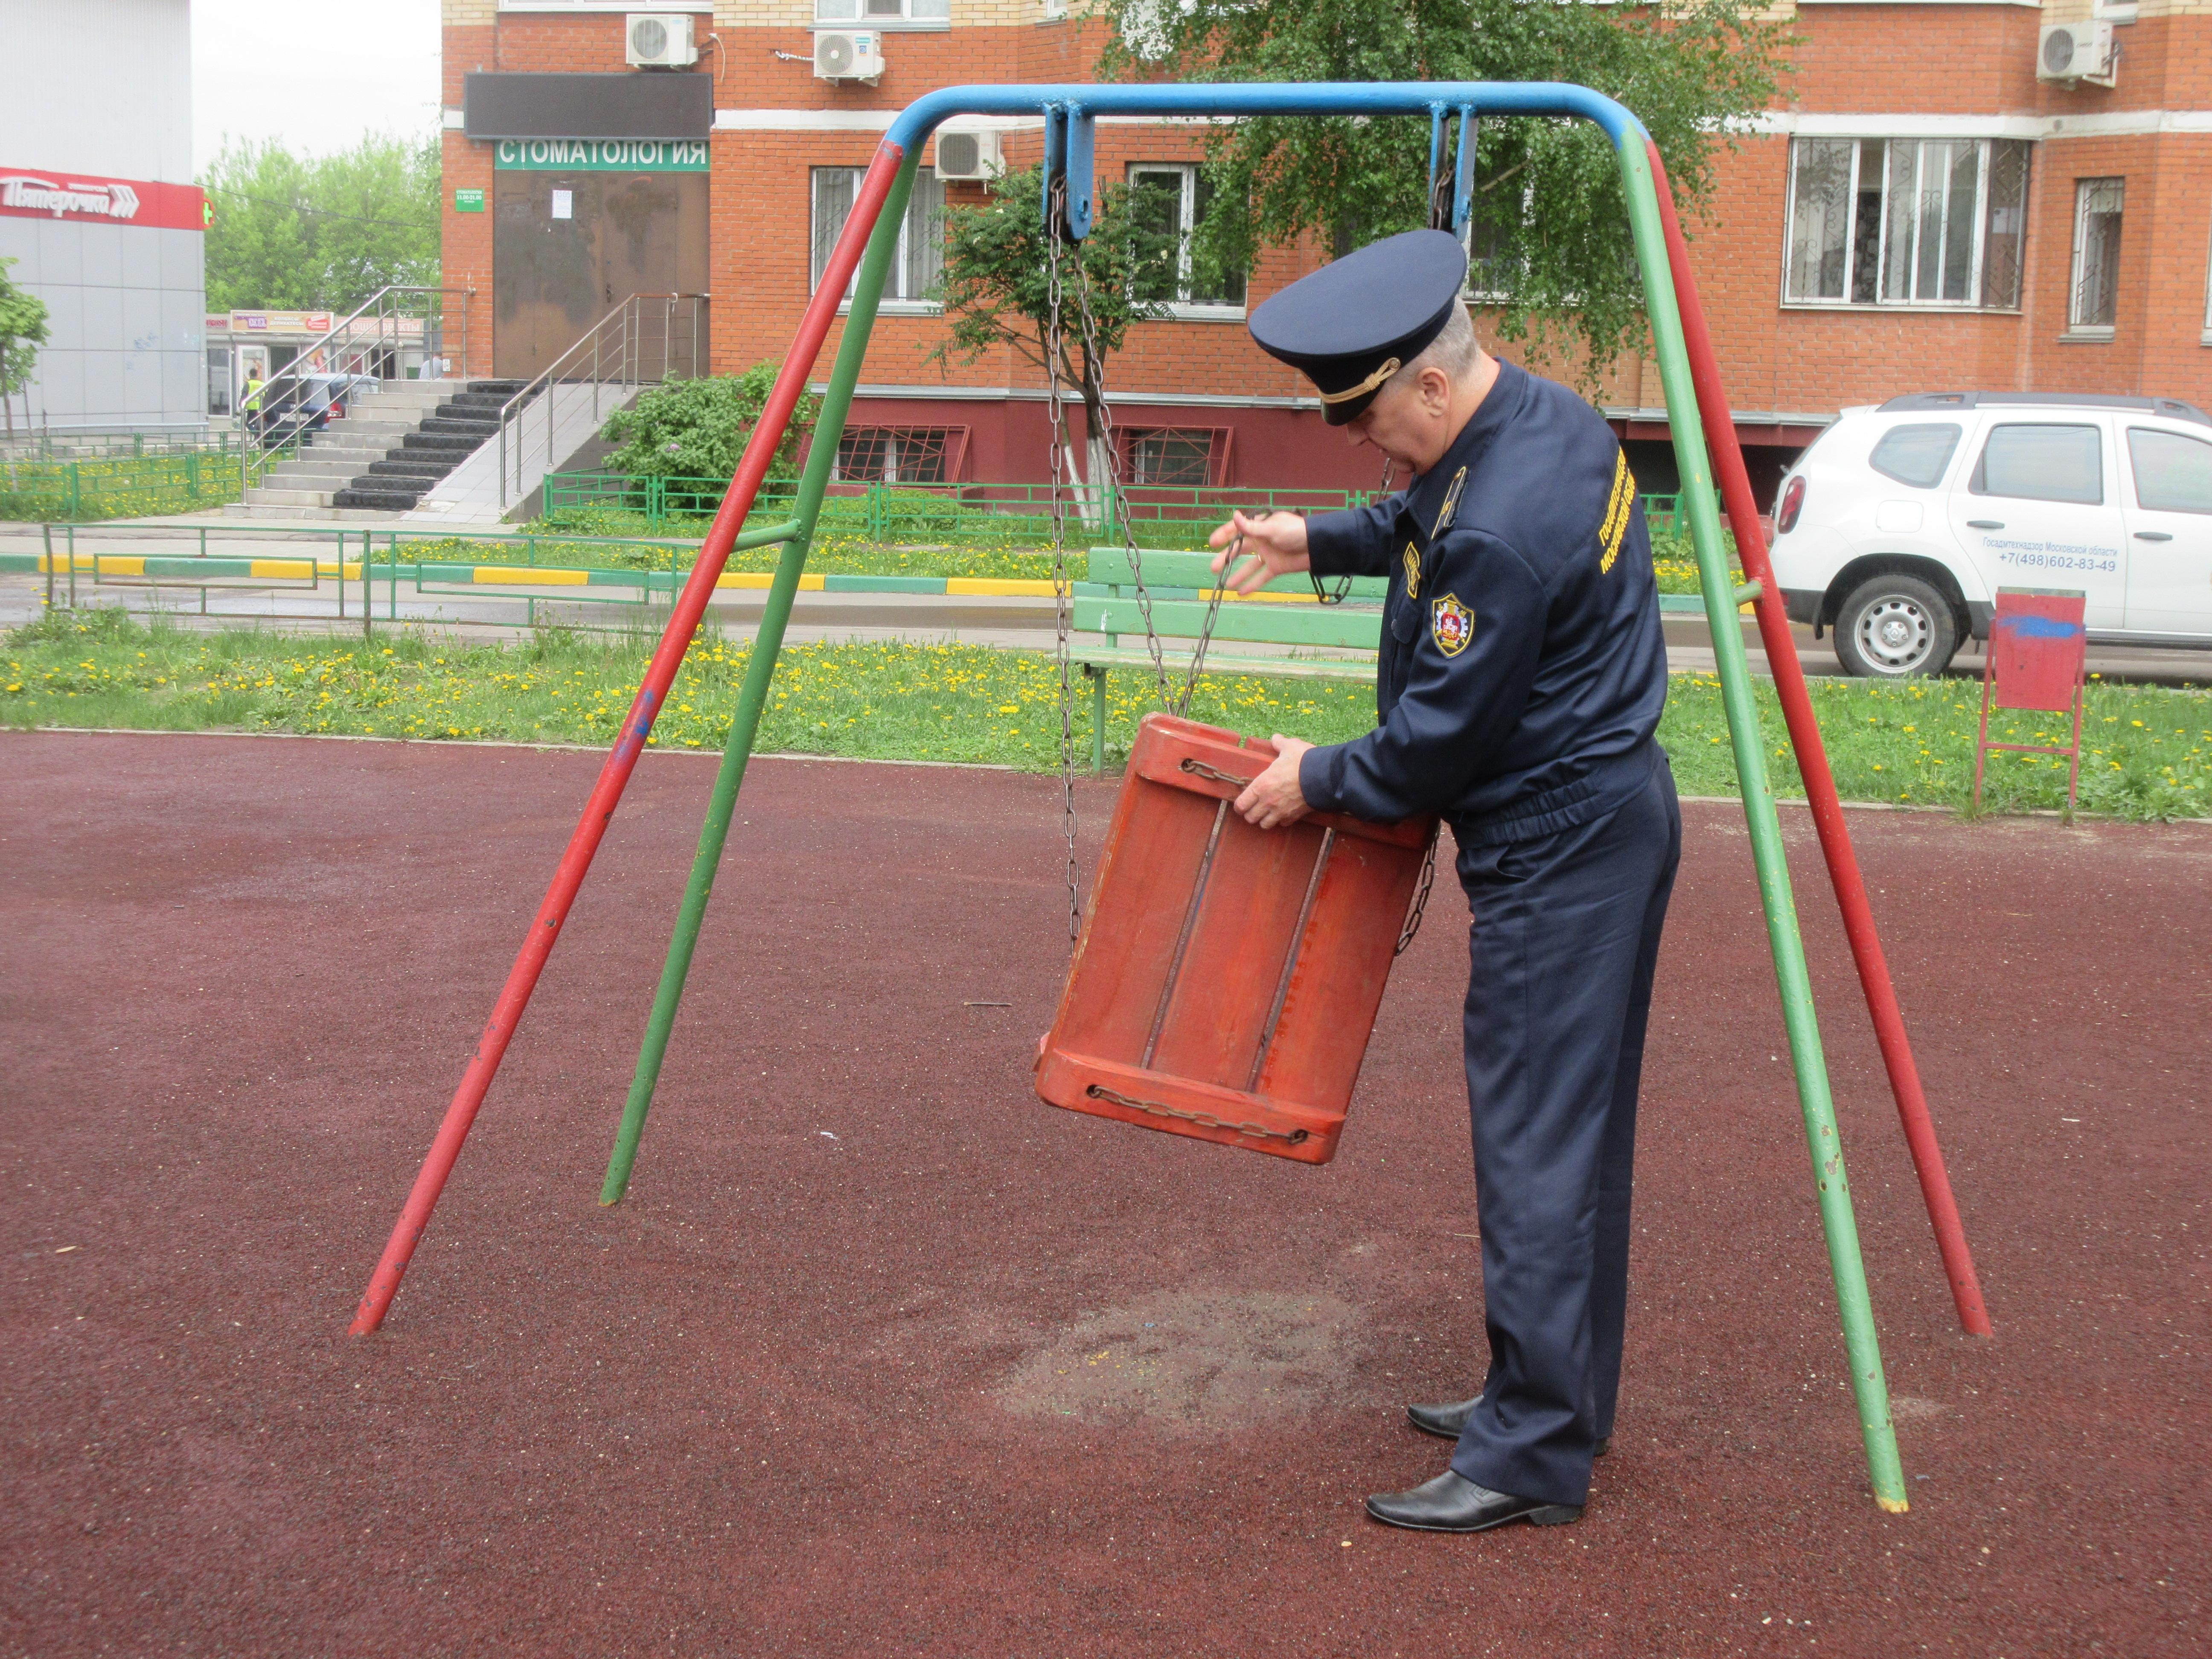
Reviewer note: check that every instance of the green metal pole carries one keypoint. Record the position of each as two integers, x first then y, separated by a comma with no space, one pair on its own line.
760,669
1862,1344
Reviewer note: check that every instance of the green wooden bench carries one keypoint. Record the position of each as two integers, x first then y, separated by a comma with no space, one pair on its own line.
1105,609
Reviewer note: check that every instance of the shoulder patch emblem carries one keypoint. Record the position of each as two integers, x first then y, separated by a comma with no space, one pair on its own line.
1617,510
1412,571
1450,508
1451,624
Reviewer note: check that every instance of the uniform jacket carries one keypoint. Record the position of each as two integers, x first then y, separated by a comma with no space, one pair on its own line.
1522,670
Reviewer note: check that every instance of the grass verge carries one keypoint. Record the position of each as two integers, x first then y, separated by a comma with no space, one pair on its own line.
2149,750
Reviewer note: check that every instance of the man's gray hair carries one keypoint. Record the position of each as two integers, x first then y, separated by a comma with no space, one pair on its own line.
1454,350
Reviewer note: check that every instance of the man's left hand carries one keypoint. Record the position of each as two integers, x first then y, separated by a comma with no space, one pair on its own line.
1274,799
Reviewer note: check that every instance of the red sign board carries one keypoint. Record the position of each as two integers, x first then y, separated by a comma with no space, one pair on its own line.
86,198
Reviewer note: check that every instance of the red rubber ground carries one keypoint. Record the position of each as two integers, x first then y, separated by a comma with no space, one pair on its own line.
976,1376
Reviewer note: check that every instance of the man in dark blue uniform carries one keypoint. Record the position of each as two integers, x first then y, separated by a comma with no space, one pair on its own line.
1522,676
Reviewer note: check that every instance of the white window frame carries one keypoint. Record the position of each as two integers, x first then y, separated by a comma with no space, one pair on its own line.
2077,330
1984,173
1188,310
908,18
895,302
2205,338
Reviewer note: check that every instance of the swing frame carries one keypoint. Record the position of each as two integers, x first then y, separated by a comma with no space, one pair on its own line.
1699,417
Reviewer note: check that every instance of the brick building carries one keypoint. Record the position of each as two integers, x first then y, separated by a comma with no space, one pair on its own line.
1919,212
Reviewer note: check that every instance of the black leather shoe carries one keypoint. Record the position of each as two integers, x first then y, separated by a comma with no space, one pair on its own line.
1449,1422
1452,1503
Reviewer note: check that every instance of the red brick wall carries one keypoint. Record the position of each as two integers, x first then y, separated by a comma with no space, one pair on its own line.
1908,61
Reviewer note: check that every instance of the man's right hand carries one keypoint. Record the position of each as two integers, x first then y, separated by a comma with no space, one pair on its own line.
1275,541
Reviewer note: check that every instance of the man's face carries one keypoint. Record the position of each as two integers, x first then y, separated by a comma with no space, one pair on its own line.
1407,418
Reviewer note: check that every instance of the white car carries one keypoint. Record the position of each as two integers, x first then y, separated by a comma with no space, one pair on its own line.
1899,525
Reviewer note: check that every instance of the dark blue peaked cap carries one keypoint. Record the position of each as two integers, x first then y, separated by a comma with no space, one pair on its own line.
1350,326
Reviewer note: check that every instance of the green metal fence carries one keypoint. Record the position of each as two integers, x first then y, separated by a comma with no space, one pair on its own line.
121,486
1163,515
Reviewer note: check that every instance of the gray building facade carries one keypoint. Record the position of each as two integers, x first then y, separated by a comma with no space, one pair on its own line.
98,210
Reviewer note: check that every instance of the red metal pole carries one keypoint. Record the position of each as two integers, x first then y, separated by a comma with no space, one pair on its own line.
1819,782
614,776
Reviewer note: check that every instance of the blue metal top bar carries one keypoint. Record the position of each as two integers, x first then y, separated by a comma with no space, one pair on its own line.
918,119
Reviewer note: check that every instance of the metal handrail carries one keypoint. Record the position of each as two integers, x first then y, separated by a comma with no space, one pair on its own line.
612,347
380,310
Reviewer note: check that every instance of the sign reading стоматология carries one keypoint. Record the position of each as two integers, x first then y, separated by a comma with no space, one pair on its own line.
602,155
87,198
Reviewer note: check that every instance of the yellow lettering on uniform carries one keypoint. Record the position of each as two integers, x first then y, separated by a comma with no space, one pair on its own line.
1615,527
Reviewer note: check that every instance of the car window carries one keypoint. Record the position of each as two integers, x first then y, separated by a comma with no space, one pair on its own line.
1915,454
2173,474
2040,463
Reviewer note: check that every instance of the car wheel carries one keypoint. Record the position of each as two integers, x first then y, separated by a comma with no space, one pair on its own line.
1894,627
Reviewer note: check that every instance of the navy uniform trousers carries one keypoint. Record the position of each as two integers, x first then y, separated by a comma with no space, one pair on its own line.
1565,938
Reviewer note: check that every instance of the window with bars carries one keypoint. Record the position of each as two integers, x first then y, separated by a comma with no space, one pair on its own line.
919,264
1168,202
1180,455
1907,222
2096,292
901,454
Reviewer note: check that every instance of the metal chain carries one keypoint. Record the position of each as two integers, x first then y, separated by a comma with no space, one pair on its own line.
1117,505
1056,407
1204,1119
1199,768
1420,897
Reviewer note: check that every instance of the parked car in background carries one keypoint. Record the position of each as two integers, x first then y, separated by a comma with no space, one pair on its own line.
1899,524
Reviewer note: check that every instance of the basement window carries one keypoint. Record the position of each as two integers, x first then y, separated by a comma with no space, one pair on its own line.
901,454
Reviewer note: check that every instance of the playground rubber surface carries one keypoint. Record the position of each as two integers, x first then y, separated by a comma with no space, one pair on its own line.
884,1356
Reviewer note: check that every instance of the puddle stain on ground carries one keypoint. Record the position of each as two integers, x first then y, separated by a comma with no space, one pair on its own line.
1192,1361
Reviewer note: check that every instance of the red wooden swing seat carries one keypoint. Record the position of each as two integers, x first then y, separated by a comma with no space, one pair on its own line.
1227,977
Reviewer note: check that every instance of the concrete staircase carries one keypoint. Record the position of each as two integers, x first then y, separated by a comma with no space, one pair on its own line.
447,437
375,422
378,458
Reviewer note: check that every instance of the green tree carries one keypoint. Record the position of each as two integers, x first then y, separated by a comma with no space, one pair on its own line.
22,332
321,232
699,428
997,288
1550,229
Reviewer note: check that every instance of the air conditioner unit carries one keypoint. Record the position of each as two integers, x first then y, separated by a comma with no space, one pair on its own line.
847,54
2077,51
970,154
659,40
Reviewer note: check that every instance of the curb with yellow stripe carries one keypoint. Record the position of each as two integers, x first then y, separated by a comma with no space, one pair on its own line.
186,566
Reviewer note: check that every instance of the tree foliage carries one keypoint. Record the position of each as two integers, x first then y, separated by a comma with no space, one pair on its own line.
1550,230
22,332
295,232
997,287
699,428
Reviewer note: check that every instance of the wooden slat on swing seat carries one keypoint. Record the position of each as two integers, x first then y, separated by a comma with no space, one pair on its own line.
1227,977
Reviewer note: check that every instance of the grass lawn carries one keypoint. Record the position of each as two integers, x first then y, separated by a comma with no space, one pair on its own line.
2150,750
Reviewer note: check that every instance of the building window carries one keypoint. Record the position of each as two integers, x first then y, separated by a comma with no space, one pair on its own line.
2096,295
1188,457
919,264
901,454
1167,202
1906,222
927,14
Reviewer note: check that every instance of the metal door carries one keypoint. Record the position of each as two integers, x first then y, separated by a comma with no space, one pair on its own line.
569,247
